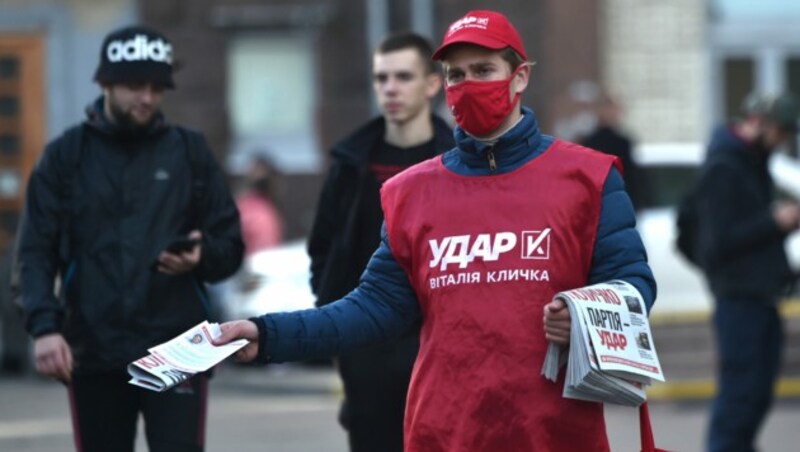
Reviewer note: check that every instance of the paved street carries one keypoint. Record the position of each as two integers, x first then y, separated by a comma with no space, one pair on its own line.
293,409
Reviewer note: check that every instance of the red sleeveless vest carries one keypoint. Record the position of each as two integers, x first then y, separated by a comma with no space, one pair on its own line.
484,255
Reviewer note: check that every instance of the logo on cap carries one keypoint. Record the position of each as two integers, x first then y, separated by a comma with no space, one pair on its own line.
139,48
469,22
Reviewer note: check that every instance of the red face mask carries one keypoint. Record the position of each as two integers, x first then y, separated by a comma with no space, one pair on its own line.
480,107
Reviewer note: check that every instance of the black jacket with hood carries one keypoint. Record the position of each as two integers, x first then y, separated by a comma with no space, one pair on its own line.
128,196
740,245
335,266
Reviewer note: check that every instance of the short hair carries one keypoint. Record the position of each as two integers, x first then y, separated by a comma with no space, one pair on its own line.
512,57
508,54
409,40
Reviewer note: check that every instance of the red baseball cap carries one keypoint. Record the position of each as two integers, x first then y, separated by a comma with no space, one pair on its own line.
485,28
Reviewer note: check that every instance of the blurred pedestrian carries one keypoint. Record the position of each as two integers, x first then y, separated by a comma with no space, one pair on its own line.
609,137
741,230
262,229
476,243
103,203
262,225
347,229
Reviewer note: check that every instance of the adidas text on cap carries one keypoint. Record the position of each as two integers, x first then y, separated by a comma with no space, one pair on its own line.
135,54
485,28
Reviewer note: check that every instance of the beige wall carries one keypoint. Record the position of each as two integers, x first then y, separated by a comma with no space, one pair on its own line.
656,58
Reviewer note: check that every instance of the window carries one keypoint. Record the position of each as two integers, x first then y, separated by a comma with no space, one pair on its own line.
9,106
739,82
793,75
271,100
9,67
667,183
22,128
793,86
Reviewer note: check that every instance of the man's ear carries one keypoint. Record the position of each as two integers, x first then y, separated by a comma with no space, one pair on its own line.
434,84
521,79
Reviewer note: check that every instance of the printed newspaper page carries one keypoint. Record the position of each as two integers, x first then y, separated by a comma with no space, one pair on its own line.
611,356
178,359
586,381
614,315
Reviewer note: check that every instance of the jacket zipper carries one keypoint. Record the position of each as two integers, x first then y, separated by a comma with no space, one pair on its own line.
492,162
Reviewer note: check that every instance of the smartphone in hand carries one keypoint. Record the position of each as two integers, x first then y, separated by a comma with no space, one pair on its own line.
182,245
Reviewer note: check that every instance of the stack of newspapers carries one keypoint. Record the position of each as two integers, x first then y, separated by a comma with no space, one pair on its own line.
611,357
178,359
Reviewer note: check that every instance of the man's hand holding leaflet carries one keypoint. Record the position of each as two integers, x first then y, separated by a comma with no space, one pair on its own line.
178,359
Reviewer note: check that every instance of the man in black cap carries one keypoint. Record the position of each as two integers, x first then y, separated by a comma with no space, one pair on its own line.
104,203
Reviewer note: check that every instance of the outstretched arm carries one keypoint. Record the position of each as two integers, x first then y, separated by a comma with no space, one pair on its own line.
382,307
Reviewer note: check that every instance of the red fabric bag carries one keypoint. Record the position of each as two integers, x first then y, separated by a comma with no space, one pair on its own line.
646,430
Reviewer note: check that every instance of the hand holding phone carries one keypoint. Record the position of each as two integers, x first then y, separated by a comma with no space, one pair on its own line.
181,255
182,245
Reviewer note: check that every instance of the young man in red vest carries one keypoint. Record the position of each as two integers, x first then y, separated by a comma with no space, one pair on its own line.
476,243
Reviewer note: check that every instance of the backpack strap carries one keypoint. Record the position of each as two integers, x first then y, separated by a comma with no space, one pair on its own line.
199,167
72,142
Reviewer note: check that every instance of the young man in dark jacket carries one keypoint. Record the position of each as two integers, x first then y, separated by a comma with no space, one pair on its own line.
476,243
348,224
741,233
103,203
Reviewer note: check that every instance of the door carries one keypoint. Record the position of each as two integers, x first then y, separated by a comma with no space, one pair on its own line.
22,122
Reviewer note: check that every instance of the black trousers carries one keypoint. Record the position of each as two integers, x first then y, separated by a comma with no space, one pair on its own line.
105,409
376,385
750,343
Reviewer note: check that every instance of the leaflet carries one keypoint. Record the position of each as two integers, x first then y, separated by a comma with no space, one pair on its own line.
613,314
611,357
178,359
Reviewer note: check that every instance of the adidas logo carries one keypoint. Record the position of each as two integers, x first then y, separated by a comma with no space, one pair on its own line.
138,49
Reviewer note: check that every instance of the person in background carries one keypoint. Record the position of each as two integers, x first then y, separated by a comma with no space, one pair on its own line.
740,234
104,202
347,229
610,138
476,243
262,226
262,229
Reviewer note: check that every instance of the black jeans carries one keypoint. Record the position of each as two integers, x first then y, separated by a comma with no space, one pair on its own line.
105,409
376,386
749,344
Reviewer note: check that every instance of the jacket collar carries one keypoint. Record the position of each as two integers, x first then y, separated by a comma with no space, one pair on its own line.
357,146
725,142
510,150
96,119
